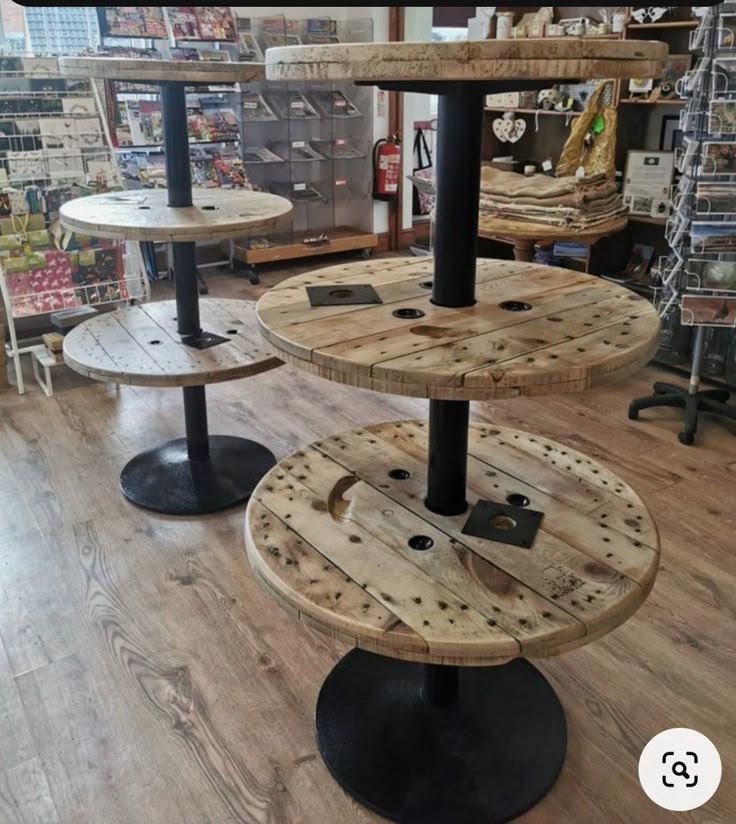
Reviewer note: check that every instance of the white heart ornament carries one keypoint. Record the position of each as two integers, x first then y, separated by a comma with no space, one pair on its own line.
516,130
500,129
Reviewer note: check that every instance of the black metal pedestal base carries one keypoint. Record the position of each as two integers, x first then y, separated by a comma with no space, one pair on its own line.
668,394
485,758
166,480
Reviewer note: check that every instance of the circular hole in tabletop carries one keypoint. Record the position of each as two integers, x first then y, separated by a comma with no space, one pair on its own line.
517,499
340,293
407,312
502,522
210,208
144,207
154,342
421,542
231,332
425,284
515,306
399,474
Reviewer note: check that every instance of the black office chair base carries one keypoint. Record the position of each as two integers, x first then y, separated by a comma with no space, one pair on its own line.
714,401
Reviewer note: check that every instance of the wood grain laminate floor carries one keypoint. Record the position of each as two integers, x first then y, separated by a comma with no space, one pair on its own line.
146,679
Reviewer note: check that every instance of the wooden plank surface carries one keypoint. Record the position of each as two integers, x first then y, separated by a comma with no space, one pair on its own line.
576,331
182,589
548,58
140,346
469,601
185,71
146,215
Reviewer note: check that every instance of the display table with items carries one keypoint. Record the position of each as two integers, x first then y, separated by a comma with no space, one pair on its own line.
524,210
515,546
201,473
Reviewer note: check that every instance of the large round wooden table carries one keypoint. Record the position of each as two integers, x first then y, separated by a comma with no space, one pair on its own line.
200,473
448,552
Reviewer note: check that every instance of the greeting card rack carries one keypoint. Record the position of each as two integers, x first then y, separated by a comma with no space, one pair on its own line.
698,277
54,147
310,142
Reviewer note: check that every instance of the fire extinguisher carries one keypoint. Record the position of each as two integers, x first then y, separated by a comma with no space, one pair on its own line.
386,168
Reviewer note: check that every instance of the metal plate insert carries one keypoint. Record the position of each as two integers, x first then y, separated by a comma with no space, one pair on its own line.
506,524
204,340
339,294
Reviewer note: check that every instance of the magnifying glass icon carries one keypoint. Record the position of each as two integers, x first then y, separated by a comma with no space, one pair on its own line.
680,769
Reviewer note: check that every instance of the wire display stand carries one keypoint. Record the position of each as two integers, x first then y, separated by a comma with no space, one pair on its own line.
54,146
697,285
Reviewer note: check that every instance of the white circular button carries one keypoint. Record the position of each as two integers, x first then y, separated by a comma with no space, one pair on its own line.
680,769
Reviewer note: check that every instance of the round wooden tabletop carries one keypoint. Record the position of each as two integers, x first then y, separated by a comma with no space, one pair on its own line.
534,330
139,346
330,533
479,60
144,214
158,71
544,233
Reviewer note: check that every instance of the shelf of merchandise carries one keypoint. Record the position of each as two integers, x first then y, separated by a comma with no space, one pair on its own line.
299,124
531,111
57,149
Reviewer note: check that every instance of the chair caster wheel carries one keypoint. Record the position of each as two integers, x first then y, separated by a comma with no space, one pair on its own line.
686,437
633,414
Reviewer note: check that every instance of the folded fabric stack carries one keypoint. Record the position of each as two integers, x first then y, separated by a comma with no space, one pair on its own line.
575,203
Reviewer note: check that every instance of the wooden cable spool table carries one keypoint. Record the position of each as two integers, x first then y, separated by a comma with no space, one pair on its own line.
515,546
202,472
523,234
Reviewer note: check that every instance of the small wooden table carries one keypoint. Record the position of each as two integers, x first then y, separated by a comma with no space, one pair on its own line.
347,536
141,346
200,473
524,234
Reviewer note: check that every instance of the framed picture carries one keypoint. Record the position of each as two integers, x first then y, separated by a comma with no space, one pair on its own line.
670,135
647,179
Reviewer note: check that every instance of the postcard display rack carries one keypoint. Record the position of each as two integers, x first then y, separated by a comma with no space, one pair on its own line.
699,275
309,141
436,715
53,147
173,343
134,108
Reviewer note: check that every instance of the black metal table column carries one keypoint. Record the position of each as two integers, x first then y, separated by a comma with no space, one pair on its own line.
459,128
432,743
200,473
